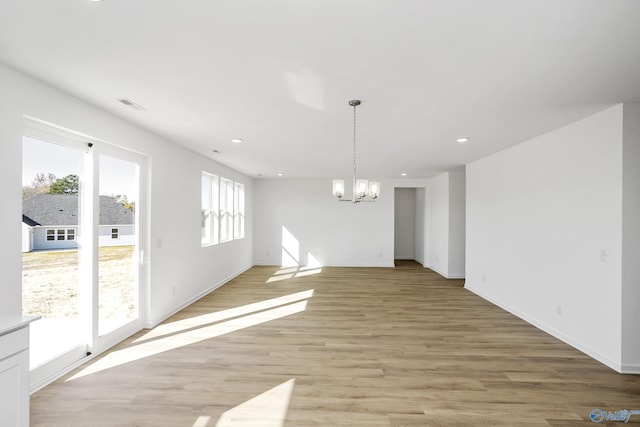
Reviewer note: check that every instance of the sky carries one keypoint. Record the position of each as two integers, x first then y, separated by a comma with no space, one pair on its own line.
116,176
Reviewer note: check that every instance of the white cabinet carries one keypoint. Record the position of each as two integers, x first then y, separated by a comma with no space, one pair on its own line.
14,370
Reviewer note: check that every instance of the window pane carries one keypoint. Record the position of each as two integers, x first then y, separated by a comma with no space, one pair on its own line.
238,212
215,210
226,210
118,254
51,279
209,208
205,212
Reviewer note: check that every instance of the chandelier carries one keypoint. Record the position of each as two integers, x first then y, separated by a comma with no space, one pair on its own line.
363,190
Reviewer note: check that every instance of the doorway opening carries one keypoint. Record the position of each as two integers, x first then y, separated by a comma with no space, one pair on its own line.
409,229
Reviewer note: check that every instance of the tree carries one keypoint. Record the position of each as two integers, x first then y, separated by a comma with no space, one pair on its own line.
39,185
67,185
122,199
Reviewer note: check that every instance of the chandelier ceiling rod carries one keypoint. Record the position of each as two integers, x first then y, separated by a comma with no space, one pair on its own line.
354,103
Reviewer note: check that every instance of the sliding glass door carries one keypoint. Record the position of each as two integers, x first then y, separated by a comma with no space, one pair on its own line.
81,246
118,278
52,223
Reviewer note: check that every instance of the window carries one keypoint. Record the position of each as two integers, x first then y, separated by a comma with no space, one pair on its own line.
222,210
226,210
238,211
61,234
209,212
114,233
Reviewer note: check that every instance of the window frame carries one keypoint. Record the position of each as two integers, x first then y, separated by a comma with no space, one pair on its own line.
226,210
209,209
238,210
222,209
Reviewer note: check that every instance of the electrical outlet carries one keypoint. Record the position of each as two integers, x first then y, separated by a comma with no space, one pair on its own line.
604,256
173,290
559,310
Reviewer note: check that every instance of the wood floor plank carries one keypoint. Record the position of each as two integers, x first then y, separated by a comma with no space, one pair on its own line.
341,347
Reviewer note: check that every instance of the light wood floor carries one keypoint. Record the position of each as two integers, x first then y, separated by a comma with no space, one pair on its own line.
341,347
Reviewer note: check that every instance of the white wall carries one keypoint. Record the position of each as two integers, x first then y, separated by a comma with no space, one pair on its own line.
334,233
445,224
175,258
420,221
438,205
27,238
631,239
342,234
10,172
540,216
457,196
126,235
405,223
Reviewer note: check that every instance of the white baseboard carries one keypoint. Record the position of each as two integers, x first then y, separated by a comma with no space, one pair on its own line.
446,276
632,368
150,324
382,264
551,331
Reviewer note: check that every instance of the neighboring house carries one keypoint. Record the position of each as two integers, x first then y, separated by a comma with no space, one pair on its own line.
50,221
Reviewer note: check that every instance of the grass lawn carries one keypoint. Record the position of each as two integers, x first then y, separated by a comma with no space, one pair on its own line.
51,288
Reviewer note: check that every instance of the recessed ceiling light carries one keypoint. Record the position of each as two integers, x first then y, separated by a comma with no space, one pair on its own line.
236,140
403,174
462,140
280,174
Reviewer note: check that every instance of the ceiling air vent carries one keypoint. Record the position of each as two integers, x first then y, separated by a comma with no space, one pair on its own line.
129,103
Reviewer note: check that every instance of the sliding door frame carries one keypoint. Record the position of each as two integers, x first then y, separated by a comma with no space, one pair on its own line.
89,246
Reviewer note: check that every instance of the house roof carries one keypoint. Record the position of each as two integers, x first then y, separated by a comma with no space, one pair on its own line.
29,221
62,209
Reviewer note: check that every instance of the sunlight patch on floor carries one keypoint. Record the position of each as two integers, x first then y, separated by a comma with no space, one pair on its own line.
202,421
268,409
170,327
292,272
196,333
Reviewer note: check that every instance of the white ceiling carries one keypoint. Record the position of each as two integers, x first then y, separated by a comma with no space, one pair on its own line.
279,73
